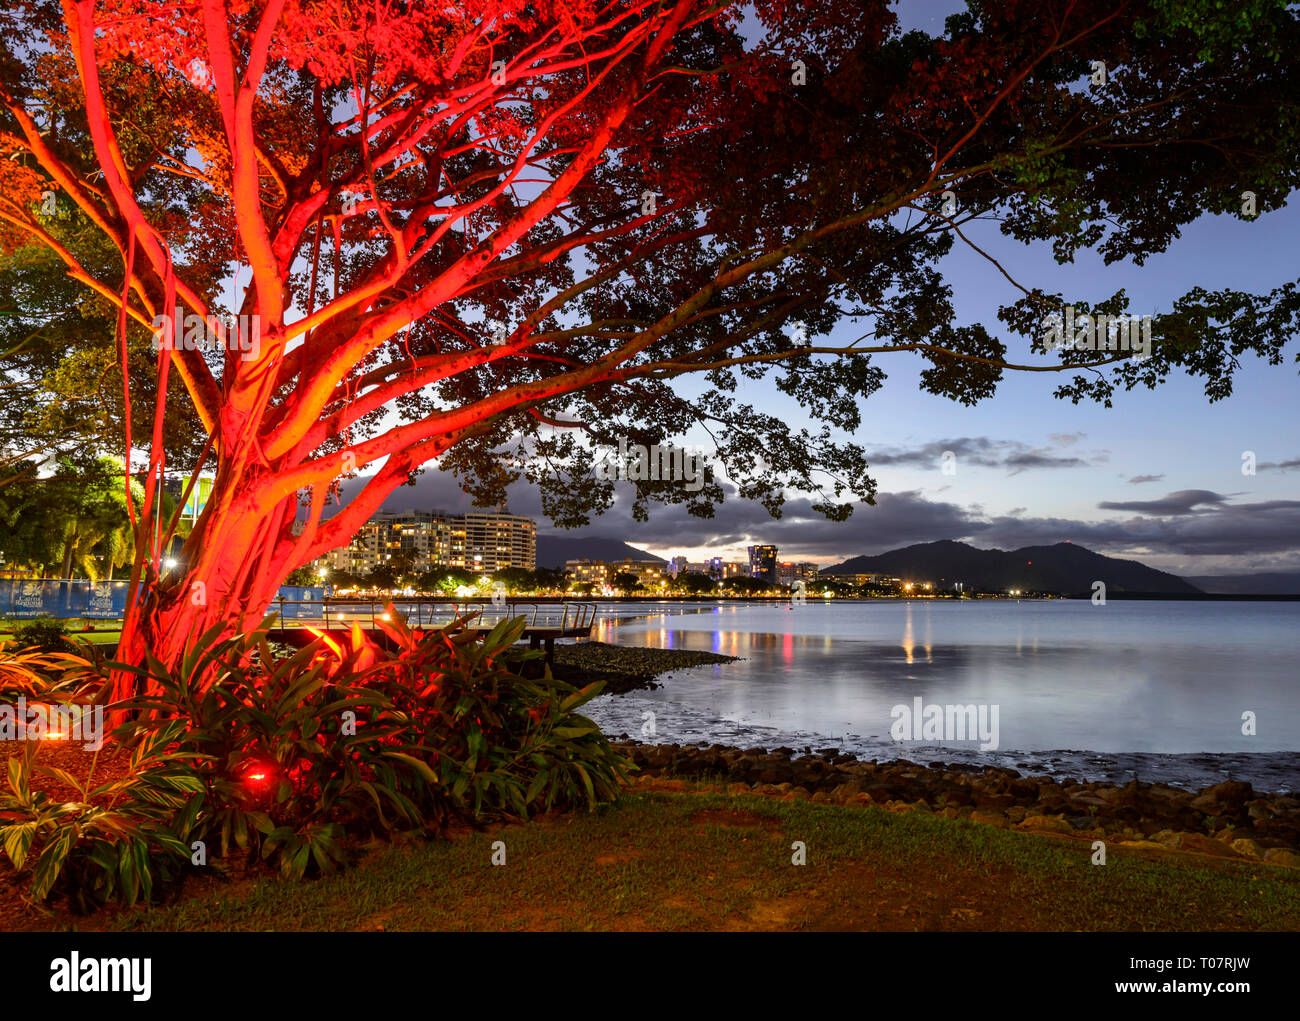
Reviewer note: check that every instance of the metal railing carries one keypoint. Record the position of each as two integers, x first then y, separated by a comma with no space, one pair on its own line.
564,616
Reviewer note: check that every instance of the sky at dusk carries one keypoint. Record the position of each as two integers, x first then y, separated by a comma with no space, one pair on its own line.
1158,477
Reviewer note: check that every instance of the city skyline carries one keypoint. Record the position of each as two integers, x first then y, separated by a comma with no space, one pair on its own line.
1189,532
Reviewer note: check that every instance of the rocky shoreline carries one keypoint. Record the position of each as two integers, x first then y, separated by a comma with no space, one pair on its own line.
1227,820
624,668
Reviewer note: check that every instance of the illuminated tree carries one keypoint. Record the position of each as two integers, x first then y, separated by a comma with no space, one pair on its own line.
471,231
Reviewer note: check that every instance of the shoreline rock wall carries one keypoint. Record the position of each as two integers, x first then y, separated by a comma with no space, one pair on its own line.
1229,819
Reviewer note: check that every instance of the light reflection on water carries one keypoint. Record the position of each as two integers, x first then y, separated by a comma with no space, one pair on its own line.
1151,677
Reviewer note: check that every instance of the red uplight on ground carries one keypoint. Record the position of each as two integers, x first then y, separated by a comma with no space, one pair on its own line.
256,776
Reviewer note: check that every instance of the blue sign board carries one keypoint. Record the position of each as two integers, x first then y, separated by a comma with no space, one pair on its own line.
299,601
24,598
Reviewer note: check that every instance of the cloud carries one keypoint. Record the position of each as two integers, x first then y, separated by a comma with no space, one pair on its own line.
1037,459
972,450
983,452
1185,501
1137,479
1282,466
1237,530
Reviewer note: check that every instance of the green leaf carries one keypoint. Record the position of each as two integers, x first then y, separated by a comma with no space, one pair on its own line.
419,765
63,776
586,782
569,733
18,841
50,864
18,778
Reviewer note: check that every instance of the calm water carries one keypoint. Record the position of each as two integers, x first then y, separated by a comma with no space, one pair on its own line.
1099,692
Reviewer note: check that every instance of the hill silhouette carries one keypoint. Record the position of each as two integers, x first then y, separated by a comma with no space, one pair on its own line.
1064,569
554,550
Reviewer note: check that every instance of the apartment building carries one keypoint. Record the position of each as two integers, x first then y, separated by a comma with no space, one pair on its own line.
485,541
788,572
650,573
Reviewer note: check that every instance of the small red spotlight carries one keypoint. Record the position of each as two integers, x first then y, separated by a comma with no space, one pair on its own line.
257,775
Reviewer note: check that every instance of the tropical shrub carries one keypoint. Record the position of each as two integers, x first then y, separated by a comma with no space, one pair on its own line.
115,842
295,757
500,741
47,634
289,751
28,672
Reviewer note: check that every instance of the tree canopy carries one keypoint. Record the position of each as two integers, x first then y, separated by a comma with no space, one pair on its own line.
72,520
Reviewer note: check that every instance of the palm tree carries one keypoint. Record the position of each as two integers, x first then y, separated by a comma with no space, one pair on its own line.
90,517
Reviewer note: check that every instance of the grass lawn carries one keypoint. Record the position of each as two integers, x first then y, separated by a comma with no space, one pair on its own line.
673,856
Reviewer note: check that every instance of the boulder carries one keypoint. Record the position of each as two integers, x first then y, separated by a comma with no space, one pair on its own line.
1045,824
1225,798
1203,844
1282,856
1022,790
992,802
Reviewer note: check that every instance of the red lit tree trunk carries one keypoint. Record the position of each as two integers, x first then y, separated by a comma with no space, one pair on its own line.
229,580
234,561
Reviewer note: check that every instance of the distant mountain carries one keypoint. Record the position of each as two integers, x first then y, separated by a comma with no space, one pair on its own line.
1065,568
1269,583
554,550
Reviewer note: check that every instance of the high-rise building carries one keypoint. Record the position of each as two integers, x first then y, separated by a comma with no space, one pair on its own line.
494,541
650,573
480,541
788,572
762,563
175,483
